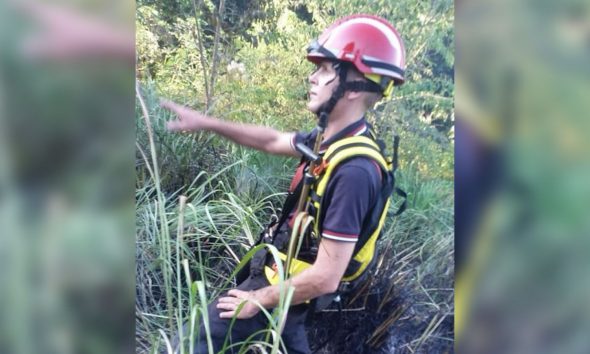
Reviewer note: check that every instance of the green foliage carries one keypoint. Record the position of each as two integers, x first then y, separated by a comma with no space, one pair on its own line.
271,90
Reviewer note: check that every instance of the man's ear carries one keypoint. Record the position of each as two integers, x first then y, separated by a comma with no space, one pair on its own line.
353,95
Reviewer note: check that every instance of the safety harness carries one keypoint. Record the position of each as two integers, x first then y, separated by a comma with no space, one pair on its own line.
279,233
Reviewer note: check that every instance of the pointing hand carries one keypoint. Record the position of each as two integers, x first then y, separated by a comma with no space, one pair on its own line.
188,119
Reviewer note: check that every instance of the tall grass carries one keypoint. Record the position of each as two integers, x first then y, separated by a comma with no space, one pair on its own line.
214,229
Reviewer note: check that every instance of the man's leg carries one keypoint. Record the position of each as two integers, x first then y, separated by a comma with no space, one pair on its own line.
294,335
220,330
221,333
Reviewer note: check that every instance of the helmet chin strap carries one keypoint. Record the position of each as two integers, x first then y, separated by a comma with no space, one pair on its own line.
341,69
327,107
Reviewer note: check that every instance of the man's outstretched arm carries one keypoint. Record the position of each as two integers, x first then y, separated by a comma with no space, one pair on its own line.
258,137
323,277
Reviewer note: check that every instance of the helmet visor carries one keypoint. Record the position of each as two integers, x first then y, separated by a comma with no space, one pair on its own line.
317,52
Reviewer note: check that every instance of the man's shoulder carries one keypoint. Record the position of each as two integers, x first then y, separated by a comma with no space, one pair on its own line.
358,165
357,174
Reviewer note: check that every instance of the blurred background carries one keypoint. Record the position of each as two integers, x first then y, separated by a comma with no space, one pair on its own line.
66,180
522,176
522,173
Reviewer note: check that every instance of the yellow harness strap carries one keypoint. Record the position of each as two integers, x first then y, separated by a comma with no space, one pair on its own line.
337,153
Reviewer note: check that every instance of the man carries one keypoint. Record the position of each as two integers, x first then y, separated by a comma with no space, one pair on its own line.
358,60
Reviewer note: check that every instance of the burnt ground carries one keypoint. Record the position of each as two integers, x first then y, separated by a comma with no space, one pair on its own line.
388,316
394,328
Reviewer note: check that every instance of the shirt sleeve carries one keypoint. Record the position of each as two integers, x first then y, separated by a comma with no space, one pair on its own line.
349,197
307,138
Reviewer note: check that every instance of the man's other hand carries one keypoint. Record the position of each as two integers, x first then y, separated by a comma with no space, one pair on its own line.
232,301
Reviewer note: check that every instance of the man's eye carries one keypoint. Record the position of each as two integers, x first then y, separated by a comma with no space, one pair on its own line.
316,68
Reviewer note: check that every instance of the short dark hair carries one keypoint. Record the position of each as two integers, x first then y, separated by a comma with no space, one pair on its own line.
370,98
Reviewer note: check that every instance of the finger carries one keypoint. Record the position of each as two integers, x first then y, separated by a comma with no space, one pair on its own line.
173,126
172,106
237,293
167,104
229,299
226,306
227,314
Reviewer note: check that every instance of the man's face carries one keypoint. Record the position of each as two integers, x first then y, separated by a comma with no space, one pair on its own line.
323,80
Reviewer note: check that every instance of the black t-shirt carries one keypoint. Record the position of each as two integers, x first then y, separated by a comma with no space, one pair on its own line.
352,190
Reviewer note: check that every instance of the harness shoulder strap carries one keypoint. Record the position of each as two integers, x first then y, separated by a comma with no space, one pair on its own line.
348,148
341,151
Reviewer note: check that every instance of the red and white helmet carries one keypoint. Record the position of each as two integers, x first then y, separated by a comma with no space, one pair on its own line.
370,43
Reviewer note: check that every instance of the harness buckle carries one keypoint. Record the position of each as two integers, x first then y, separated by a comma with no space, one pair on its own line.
320,168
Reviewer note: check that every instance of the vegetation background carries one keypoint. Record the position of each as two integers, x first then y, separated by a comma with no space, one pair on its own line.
245,61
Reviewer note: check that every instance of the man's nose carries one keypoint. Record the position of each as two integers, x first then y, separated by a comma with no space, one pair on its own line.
312,78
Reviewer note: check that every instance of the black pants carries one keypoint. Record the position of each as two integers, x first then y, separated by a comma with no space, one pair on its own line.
293,335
